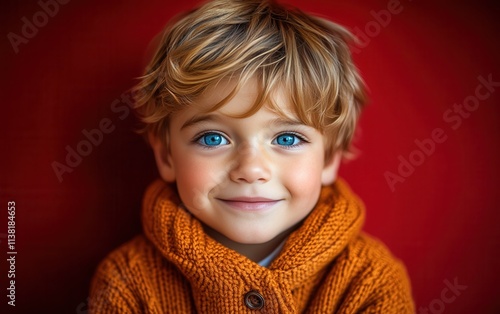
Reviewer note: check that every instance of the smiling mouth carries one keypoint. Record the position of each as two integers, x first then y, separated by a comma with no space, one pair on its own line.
250,204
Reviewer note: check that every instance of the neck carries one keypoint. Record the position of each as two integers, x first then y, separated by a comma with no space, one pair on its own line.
255,252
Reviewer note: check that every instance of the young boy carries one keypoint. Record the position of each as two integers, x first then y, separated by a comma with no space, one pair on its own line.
249,107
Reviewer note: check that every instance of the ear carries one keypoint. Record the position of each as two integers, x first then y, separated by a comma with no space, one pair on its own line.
162,157
331,168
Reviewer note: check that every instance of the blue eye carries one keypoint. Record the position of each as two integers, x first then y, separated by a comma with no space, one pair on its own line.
212,139
287,139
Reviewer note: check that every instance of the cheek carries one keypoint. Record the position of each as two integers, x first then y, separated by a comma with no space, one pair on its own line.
303,177
196,178
192,179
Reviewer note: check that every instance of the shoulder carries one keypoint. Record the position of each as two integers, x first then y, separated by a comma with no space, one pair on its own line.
137,260
128,256
134,250
371,252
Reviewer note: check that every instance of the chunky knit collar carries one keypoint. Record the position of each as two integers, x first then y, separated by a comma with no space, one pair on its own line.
214,270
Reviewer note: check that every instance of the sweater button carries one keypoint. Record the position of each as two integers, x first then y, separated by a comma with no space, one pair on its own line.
254,300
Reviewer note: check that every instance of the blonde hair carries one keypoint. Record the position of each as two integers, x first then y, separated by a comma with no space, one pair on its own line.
282,47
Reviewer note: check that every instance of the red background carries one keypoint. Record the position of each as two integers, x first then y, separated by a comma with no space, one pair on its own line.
442,220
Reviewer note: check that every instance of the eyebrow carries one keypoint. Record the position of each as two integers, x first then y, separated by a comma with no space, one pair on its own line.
198,119
280,121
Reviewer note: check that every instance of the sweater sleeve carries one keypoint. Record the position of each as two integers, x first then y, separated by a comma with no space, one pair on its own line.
136,278
393,295
111,290
380,283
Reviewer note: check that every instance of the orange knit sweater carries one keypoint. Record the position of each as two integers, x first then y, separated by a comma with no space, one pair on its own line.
325,266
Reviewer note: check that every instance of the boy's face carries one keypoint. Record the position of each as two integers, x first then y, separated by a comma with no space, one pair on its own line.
249,179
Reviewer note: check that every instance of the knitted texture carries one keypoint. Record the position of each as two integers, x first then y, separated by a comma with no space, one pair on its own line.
326,266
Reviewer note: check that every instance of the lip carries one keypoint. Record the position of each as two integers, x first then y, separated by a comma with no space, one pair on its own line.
250,203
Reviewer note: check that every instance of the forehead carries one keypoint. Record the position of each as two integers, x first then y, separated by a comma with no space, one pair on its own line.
243,98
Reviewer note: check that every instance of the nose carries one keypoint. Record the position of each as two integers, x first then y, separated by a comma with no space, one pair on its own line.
251,164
